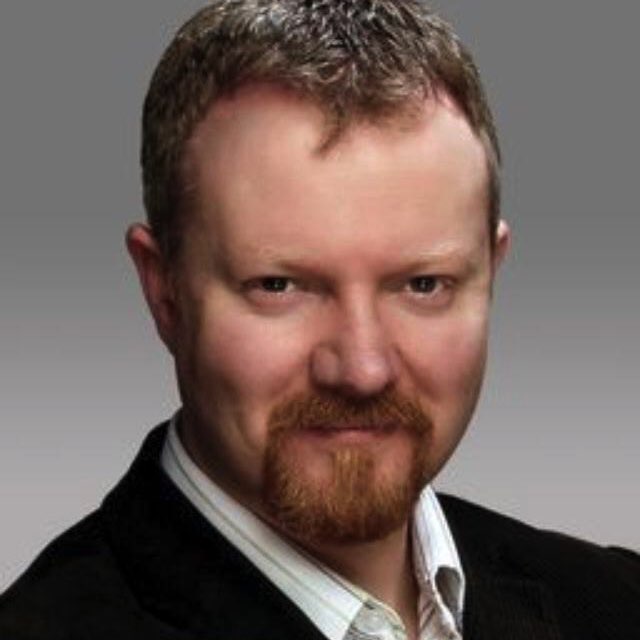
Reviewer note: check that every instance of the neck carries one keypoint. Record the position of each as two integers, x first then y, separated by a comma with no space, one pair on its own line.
383,568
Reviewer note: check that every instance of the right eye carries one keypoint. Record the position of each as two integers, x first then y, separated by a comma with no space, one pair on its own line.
272,293
273,284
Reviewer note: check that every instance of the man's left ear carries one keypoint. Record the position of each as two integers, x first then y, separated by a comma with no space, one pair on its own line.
502,244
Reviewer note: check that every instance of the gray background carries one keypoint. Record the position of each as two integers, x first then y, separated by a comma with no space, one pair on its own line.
82,375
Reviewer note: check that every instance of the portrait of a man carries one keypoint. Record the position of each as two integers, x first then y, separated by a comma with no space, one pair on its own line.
324,231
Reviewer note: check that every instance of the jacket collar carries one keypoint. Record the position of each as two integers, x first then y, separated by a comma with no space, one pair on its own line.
504,599
181,570
187,575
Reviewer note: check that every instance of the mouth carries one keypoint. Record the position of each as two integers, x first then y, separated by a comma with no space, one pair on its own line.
348,433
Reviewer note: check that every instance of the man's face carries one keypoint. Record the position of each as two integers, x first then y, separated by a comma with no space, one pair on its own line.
330,309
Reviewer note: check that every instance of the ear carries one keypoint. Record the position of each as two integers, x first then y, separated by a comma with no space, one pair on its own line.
155,279
502,244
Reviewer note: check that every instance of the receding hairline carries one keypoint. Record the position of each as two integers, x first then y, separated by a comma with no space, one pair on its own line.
359,62
403,116
404,119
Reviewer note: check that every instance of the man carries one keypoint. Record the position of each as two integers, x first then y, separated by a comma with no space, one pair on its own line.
321,182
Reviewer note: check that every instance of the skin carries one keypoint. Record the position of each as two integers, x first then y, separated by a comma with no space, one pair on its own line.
355,270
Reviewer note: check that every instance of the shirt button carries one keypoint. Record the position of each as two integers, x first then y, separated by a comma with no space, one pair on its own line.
371,621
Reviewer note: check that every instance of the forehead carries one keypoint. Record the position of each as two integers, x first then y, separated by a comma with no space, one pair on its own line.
256,165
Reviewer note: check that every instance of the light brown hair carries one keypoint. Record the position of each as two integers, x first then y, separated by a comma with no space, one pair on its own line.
357,59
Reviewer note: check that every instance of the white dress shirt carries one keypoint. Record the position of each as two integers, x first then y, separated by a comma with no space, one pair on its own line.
340,609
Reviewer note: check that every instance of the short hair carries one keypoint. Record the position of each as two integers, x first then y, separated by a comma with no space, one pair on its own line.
358,60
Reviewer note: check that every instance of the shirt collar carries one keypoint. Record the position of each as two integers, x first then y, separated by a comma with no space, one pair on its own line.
329,601
436,560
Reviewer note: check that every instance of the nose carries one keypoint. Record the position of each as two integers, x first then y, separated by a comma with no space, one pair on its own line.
358,357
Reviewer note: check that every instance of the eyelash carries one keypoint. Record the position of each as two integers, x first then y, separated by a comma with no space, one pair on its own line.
281,285
437,281
261,284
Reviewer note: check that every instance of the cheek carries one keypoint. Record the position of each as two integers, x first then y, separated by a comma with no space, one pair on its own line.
232,370
447,365
447,358
462,354
244,366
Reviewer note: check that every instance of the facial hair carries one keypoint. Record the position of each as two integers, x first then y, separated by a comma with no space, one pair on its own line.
355,502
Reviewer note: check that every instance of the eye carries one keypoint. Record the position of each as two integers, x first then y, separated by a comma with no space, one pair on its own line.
424,285
272,292
429,292
273,284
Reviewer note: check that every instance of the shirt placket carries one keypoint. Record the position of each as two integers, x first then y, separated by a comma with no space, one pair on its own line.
373,622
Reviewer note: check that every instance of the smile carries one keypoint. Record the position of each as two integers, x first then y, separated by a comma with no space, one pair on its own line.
348,433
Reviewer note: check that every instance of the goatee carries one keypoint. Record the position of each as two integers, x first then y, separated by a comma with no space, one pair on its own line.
362,497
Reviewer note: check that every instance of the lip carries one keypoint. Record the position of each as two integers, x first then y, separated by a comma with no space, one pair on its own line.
348,433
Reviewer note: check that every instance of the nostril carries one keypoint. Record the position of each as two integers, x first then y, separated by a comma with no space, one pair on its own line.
368,373
355,355
353,371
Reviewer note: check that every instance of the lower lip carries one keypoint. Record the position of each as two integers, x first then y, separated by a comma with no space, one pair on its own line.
360,435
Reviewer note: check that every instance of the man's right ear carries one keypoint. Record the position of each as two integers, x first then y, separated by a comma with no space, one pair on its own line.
155,279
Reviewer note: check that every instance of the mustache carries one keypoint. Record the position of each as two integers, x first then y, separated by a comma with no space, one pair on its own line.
387,410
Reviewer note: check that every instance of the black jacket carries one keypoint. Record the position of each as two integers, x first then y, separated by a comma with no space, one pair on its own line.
147,566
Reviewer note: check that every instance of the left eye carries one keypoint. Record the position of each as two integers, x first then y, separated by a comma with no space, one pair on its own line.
424,284
274,284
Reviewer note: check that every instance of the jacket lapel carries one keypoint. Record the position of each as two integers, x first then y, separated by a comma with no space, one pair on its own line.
516,609
189,577
182,571
502,599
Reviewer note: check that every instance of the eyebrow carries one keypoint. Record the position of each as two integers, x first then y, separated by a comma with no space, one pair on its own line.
467,267
468,259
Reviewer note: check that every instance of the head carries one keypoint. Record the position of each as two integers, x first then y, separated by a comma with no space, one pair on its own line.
321,182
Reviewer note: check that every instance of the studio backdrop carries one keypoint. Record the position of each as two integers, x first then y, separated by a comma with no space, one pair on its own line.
555,440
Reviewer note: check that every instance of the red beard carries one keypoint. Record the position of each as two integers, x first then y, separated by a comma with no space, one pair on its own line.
359,497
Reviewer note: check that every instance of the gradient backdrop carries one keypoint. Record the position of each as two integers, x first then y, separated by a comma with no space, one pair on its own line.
83,377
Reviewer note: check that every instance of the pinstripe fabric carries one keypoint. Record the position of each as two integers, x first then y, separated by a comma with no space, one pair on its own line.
147,565
341,610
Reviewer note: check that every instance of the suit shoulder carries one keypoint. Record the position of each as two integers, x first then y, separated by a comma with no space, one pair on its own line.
75,571
541,551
